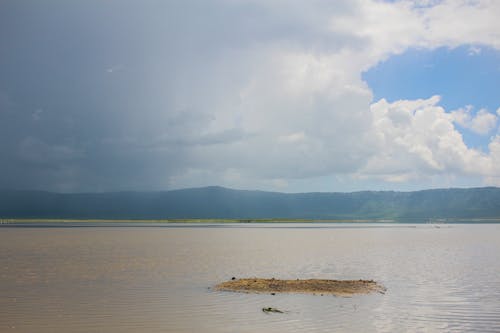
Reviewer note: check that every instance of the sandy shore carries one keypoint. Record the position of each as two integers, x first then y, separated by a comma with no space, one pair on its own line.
311,286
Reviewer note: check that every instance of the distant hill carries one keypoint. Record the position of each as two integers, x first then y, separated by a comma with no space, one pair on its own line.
219,202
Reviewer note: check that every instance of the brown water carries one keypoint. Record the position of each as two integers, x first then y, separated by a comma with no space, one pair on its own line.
157,279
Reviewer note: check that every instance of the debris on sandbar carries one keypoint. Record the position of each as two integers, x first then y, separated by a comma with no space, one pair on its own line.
309,286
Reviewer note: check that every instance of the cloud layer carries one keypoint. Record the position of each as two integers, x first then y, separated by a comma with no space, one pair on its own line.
418,139
246,93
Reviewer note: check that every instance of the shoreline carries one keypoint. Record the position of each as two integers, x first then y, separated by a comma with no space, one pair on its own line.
63,221
221,220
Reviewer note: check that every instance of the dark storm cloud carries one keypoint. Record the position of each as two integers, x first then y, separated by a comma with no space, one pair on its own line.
141,95
101,95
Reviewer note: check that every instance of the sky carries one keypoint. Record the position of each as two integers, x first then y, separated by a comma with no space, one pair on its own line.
290,96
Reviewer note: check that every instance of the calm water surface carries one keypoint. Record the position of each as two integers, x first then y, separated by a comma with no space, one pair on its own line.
158,279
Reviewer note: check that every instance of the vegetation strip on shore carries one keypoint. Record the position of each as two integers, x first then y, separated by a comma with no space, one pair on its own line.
191,221
310,286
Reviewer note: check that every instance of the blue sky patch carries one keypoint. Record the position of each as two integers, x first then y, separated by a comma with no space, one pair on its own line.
467,75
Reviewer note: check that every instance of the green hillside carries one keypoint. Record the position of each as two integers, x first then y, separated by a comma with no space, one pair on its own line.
218,202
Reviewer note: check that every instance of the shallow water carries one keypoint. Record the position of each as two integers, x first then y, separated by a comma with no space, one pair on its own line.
157,278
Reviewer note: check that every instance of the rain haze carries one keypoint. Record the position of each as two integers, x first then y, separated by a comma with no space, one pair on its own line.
291,96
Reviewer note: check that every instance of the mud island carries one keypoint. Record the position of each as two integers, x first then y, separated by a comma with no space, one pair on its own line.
310,286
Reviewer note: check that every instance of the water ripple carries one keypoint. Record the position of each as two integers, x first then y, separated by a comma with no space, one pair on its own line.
121,279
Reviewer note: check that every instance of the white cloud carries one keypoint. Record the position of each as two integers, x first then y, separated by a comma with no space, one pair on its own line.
483,122
392,28
426,143
463,116
493,176
474,50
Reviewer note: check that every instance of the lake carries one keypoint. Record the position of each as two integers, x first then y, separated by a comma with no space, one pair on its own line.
158,278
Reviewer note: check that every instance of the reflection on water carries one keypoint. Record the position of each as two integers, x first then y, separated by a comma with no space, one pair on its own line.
157,279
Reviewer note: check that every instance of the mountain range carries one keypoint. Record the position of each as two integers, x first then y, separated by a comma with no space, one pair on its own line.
218,202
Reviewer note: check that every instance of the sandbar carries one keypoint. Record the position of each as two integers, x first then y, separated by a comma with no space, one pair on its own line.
309,286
